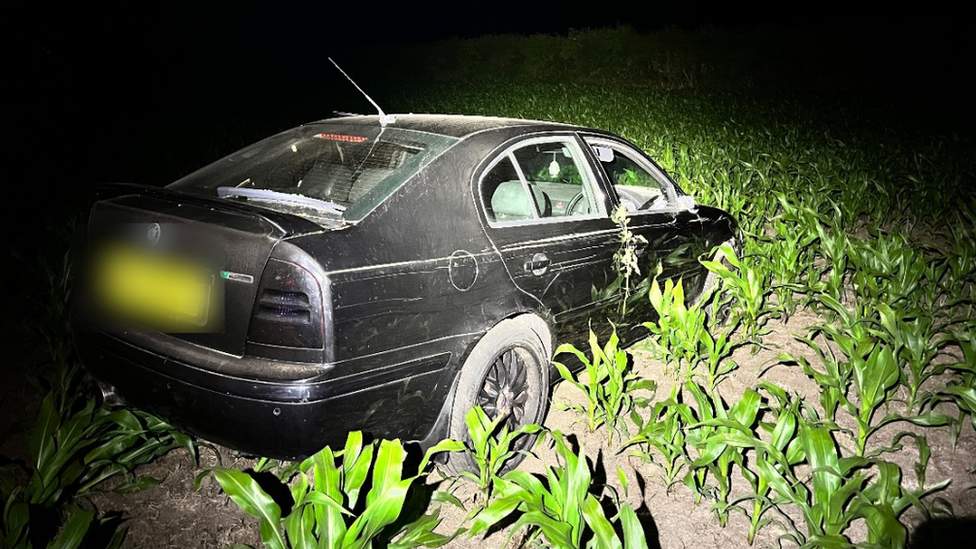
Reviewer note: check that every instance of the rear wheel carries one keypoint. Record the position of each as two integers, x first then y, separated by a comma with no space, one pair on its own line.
506,374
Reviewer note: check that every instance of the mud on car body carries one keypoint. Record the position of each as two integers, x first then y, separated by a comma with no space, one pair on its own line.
348,274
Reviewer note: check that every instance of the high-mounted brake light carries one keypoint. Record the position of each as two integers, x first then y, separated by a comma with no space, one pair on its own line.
341,137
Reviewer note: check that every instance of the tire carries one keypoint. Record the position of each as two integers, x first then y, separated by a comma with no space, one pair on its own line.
506,372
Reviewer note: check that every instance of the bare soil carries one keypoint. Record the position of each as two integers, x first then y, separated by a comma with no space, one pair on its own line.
173,513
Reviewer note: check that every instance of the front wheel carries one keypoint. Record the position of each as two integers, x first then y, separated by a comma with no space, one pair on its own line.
506,374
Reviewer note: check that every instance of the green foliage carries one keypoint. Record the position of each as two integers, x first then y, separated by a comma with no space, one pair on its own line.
560,506
351,499
609,385
75,445
661,439
491,446
748,283
72,455
689,339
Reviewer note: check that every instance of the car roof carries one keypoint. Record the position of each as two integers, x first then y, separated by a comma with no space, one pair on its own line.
456,125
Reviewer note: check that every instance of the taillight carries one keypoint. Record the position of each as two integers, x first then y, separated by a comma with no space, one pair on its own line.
289,307
287,312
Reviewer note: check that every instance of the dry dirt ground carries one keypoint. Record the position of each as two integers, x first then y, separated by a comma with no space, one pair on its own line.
173,514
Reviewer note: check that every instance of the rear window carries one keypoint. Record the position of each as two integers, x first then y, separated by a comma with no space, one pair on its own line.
351,166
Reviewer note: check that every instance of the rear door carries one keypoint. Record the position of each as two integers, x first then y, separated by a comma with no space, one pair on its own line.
548,219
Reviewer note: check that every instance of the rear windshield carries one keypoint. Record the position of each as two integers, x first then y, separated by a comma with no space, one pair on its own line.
351,166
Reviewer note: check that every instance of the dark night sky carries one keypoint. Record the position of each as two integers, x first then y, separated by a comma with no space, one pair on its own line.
101,76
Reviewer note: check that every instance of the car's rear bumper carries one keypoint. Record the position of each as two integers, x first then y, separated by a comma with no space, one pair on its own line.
280,418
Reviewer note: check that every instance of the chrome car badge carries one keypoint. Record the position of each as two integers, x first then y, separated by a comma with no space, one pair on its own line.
153,233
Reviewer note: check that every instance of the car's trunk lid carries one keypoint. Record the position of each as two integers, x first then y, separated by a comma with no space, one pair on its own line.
225,243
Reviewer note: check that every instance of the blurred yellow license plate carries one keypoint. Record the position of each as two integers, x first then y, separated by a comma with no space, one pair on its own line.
167,293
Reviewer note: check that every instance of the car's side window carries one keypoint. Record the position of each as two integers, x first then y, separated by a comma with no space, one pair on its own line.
504,194
638,186
549,170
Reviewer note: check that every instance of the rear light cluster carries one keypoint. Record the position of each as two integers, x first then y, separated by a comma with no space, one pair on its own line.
284,306
287,321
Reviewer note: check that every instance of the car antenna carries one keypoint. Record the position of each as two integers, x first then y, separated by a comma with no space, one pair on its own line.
384,118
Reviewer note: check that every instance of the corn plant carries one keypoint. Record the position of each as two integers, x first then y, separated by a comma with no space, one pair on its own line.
491,446
884,500
959,235
349,503
789,254
868,365
715,350
834,247
72,456
825,501
886,268
560,507
783,446
661,438
748,283
841,489
961,391
917,339
677,330
681,334
716,459
79,529
609,385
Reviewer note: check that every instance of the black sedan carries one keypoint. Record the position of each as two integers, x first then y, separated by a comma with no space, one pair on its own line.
375,275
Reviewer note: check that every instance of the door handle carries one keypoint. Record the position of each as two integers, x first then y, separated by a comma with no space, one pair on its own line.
539,264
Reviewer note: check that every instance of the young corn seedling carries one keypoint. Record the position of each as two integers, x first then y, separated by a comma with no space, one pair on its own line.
491,445
834,245
783,446
677,329
825,501
917,339
716,458
869,365
72,454
748,283
791,254
875,377
609,385
661,439
715,364
560,507
853,334
960,253
352,503
882,502
887,269
962,390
